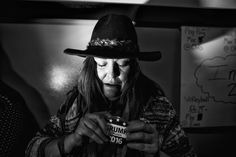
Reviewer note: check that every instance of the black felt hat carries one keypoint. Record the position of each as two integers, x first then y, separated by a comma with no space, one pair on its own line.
114,36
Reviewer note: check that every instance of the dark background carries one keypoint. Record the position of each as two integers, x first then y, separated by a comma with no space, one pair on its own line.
34,35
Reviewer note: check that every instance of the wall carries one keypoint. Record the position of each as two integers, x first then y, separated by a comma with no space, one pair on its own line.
36,54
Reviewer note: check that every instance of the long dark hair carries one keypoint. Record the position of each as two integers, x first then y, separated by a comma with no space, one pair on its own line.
134,92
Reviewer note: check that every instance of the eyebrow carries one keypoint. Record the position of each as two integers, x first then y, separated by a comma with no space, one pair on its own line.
99,60
125,60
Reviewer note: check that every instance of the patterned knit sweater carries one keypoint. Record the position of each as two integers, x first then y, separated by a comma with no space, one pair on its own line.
157,110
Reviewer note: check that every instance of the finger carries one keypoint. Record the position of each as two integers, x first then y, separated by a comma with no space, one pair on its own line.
138,125
83,131
90,124
86,131
149,148
140,137
100,120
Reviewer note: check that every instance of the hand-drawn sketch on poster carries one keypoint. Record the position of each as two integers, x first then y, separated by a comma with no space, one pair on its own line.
208,77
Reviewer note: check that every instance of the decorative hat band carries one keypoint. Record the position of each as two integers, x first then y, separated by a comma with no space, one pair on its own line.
127,45
108,42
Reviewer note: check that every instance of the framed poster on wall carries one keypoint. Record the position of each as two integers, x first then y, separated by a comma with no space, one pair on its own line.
208,77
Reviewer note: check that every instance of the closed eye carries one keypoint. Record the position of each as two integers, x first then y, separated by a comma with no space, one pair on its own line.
124,64
101,65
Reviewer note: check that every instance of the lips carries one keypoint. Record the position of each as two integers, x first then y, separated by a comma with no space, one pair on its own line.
112,85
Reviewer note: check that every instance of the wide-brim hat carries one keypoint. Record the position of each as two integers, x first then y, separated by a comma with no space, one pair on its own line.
114,36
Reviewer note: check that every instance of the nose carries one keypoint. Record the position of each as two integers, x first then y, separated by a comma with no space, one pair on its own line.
113,71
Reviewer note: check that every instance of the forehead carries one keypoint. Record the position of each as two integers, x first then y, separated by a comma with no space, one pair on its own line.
97,59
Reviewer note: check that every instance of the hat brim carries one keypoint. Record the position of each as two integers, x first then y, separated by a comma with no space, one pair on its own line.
143,56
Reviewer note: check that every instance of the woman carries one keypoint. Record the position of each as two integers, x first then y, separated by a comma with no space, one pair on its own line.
111,84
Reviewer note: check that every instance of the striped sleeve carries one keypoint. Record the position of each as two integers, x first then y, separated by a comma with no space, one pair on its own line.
64,122
172,138
51,131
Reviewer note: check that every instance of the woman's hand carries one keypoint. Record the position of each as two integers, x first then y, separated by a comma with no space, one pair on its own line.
93,126
142,136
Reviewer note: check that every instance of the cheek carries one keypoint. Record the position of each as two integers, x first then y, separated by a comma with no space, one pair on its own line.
124,75
101,74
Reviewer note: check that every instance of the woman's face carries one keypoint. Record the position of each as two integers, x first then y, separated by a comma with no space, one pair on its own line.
113,73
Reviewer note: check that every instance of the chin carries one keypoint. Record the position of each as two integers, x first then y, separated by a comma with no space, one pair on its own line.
112,97
111,93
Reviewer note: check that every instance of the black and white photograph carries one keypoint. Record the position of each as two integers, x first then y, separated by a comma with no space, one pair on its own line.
117,78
